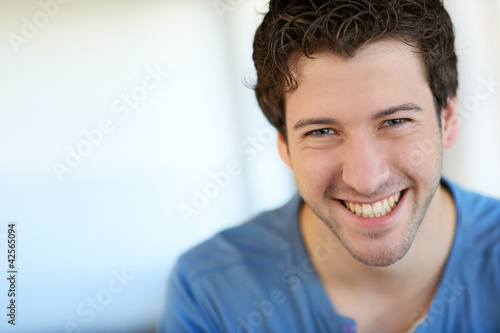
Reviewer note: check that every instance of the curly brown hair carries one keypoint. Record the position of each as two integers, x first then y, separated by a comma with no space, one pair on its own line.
296,27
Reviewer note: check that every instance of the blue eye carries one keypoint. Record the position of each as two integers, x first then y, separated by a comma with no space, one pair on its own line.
321,132
394,122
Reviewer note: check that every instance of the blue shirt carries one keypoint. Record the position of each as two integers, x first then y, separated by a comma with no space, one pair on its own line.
258,277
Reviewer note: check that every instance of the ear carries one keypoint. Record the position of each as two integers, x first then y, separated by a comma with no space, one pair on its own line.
283,150
450,122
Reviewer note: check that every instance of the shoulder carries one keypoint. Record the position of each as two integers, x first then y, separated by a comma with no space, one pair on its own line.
259,241
218,284
478,220
218,278
468,297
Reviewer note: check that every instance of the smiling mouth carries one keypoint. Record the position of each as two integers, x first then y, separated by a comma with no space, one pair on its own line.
376,209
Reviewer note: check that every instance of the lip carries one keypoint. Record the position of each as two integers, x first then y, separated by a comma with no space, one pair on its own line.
367,223
373,200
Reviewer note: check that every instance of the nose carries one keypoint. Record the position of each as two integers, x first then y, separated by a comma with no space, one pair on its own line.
366,165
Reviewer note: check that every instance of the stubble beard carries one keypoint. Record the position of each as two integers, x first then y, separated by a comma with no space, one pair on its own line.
383,257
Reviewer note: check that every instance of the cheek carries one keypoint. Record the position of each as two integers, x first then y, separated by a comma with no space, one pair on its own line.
315,170
420,155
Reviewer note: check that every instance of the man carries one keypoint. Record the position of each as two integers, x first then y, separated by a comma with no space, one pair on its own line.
377,240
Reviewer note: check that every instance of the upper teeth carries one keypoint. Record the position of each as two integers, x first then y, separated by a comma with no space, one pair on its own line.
376,209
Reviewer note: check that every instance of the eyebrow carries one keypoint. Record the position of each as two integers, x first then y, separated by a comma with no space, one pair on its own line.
406,108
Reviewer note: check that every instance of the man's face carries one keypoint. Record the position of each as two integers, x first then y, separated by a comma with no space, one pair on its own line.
355,128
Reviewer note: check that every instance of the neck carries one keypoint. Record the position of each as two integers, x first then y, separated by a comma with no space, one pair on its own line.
420,268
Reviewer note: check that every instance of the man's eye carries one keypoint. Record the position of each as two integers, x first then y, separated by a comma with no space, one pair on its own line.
394,122
321,132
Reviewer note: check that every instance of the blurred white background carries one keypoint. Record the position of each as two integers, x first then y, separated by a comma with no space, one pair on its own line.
98,237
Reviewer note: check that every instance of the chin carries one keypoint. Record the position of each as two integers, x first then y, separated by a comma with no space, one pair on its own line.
379,257
380,248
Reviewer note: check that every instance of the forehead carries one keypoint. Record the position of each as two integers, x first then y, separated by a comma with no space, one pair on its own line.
380,75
